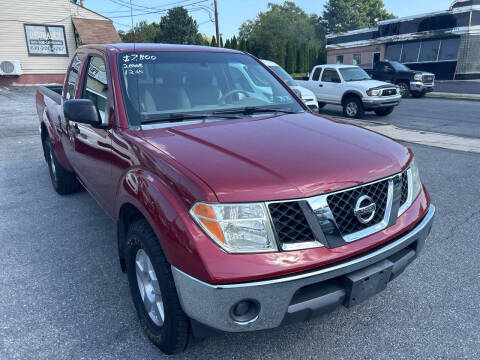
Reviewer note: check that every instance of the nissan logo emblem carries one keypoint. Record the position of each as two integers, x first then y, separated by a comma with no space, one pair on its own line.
365,209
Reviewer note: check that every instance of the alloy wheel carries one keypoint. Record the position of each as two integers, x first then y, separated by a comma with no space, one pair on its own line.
351,109
149,288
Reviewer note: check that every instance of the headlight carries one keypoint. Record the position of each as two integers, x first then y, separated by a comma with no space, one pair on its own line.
418,77
373,92
416,182
414,186
236,228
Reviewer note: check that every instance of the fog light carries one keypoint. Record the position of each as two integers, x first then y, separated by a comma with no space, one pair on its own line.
245,311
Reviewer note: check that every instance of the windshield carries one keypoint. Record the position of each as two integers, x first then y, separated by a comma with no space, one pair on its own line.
354,74
283,75
161,84
399,67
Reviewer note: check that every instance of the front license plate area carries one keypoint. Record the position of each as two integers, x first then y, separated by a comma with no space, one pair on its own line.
365,283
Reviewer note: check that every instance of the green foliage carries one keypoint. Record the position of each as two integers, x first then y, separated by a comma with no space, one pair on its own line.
345,15
213,43
177,27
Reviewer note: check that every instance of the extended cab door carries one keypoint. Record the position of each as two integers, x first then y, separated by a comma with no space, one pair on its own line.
383,71
331,85
314,83
91,156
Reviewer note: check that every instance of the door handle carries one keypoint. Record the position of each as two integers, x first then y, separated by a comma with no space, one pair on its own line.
321,85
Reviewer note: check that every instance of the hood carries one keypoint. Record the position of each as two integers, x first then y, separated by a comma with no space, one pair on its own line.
306,94
367,84
279,157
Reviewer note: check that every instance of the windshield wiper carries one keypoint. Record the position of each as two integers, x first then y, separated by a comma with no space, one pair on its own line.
185,116
252,110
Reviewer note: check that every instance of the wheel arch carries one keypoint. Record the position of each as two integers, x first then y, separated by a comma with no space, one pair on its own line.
350,94
143,195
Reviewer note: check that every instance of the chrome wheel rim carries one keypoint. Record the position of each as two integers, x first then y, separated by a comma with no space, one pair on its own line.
352,109
403,89
149,288
52,164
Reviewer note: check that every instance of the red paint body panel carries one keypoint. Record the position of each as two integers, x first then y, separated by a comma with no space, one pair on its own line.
163,172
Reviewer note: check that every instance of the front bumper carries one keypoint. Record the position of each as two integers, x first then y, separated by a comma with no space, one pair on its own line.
418,86
296,297
372,103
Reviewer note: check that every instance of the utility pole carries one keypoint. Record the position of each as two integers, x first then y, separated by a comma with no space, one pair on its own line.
216,23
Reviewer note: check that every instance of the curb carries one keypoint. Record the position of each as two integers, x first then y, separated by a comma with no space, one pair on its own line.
453,96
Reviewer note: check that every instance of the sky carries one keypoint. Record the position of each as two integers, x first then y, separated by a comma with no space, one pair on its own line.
232,13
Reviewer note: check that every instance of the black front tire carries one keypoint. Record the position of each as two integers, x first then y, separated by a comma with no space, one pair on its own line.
321,105
385,111
404,89
418,94
64,182
353,108
172,336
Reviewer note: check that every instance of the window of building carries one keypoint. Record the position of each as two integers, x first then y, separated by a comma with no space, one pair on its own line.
331,75
316,74
357,59
449,49
429,50
96,88
339,59
394,52
410,52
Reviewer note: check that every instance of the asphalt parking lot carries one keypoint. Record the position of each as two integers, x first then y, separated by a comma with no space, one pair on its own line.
63,295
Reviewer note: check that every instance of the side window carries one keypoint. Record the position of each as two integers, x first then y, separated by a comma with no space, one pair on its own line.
73,75
96,87
316,74
379,66
331,75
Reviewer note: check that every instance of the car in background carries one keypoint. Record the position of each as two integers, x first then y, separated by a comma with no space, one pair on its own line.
352,88
411,82
307,96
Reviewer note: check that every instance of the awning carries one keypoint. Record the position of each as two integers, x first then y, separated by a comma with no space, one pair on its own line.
95,31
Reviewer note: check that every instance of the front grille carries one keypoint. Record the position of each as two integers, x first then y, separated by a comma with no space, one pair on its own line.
428,79
342,206
404,197
290,223
389,92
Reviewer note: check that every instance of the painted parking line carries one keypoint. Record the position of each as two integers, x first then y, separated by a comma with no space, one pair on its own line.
445,141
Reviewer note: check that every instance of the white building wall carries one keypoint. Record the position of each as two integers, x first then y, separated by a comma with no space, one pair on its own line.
15,13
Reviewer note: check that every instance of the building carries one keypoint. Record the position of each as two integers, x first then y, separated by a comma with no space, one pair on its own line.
38,38
446,43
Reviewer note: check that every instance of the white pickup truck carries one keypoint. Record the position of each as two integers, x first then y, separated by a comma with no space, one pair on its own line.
352,88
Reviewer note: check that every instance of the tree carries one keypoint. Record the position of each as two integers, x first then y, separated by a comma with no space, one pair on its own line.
234,43
227,44
344,15
213,43
177,27
271,31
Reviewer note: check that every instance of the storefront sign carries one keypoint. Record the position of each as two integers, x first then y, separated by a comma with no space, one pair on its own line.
46,40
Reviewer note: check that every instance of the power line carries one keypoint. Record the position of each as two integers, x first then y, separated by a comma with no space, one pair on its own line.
155,11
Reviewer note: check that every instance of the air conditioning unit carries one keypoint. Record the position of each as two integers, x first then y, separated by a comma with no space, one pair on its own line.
10,67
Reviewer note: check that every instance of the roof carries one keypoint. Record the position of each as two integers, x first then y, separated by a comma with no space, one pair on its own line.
94,31
169,47
337,66
269,63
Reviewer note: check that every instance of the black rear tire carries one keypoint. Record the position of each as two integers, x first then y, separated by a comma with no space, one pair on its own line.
353,108
64,182
172,336
385,111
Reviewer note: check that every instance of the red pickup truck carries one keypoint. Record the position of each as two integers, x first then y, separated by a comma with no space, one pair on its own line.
237,208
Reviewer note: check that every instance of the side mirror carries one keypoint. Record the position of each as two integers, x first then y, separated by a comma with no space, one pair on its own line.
82,111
